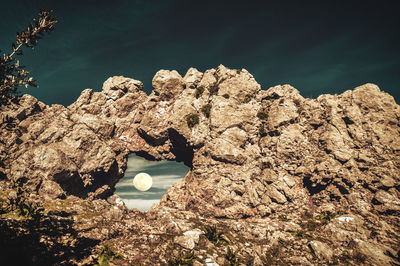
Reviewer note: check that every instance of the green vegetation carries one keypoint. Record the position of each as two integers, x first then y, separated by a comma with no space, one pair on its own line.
283,218
226,96
206,109
301,234
215,236
107,255
262,115
342,259
199,91
192,120
213,89
184,259
20,205
12,74
310,225
327,215
32,234
261,130
231,257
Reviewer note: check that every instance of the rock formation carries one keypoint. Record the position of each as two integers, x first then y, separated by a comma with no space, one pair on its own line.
289,179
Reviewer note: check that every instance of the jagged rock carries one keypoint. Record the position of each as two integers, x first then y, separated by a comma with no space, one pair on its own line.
51,189
321,250
167,84
192,77
253,153
189,239
368,252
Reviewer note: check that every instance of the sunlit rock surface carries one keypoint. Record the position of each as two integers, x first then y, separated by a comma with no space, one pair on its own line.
283,176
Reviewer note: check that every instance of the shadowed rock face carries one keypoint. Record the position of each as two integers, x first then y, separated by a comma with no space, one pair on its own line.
253,153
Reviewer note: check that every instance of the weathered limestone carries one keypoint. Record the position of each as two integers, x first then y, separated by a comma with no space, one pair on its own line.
253,153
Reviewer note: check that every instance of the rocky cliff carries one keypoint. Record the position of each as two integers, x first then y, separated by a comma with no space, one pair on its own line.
286,179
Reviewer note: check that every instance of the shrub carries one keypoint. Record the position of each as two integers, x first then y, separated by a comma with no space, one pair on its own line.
199,91
261,130
12,74
283,218
214,236
231,257
206,109
327,215
262,115
226,96
192,120
183,259
213,89
301,234
107,255
19,203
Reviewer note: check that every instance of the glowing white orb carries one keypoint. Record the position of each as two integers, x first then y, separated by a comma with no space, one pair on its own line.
142,181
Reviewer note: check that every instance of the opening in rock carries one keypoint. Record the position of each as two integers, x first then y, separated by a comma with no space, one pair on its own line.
163,175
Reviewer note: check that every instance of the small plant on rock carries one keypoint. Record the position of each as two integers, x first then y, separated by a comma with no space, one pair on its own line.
327,215
214,236
206,109
192,120
262,115
301,234
107,255
213,89
199,91
261,130
18,202
184,259
231,257
283,218
226,96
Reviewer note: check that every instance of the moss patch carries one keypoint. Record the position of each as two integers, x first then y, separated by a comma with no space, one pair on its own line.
215,236
107,255
199,91
231,257
206,109
183,259
262,115
192,120
261,130
283,218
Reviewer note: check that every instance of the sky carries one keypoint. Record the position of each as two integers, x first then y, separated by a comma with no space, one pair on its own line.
316,46
163,173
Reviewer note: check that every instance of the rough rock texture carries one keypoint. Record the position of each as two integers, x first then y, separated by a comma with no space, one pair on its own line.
312,180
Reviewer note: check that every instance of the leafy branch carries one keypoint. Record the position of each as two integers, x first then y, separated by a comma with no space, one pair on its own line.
12,74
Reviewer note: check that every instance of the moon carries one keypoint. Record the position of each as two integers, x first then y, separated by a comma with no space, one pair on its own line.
142,181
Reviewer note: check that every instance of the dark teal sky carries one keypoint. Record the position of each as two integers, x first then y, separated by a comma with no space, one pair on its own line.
316,46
